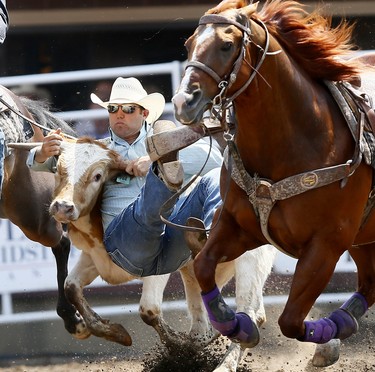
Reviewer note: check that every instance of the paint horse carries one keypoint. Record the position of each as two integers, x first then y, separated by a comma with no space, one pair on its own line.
25,195
297,172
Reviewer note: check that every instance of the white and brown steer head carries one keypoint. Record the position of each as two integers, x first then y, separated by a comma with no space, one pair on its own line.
82,168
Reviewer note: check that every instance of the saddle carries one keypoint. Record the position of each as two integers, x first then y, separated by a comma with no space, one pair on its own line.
356,101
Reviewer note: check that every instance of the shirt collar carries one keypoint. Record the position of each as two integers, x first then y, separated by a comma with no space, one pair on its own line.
119,141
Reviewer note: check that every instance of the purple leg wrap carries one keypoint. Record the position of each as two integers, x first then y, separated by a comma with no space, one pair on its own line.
340,324
345,322
356,305
319,331
346,317
238,327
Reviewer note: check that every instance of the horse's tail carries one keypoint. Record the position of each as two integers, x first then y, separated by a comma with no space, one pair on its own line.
42,115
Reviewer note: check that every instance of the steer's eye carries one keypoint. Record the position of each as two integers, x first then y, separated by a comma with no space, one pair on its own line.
97,177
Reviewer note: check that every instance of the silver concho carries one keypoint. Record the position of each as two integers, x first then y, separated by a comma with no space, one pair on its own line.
309,180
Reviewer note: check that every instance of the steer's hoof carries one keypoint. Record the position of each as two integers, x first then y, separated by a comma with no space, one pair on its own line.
246,333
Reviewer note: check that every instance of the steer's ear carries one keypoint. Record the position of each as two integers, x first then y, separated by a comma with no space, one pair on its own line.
119,163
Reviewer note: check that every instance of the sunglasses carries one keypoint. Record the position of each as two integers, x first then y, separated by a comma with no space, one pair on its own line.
126,109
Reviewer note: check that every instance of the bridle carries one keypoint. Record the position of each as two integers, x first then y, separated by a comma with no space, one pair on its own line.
221,102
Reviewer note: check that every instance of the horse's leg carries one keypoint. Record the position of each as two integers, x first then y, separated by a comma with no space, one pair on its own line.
64,309
220,248
305,289
82,275
364,257
200,330
150,308
252,270
231,359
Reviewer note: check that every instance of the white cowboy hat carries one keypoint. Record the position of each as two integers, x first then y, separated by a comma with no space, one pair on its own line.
130,90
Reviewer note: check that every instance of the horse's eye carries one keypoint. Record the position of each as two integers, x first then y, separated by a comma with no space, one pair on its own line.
97,177
226,46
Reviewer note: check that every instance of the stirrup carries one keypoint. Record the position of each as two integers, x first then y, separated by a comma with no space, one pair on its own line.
195,239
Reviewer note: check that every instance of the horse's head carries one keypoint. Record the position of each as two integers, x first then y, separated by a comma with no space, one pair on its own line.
216,52
82,168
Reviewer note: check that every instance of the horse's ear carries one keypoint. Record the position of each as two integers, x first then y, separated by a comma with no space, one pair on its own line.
250,9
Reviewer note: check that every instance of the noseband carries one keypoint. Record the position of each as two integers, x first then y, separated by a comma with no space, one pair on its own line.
220,102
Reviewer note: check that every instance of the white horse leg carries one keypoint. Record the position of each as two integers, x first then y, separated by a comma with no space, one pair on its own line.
83,273
252,270
200,331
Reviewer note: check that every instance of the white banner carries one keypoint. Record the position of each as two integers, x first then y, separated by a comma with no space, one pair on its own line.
286,265
26,265
29,266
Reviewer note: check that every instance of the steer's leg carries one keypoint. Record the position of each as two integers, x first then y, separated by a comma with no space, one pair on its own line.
151,313
65,309
82,275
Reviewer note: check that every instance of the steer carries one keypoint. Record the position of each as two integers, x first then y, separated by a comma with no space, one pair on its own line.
83,167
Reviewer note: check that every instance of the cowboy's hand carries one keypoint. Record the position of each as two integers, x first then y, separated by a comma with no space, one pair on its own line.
139,167
50,147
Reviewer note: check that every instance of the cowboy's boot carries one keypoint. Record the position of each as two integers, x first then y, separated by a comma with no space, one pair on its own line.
196,237
169,138
169,168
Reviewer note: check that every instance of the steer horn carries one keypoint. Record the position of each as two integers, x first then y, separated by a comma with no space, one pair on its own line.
27,145
24,145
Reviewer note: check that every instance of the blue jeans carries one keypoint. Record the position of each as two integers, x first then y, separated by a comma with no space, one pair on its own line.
140,243
2,156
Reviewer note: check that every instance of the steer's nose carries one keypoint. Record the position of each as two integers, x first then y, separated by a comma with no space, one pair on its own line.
62,210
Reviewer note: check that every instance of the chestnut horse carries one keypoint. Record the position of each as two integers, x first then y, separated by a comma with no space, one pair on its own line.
25,195
294,174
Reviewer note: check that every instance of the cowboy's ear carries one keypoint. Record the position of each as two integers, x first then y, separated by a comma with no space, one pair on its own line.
145,113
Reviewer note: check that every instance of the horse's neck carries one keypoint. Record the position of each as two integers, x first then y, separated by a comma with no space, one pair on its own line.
277,116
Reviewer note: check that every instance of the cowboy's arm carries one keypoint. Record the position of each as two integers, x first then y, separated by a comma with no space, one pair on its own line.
194,156
47,166
44,158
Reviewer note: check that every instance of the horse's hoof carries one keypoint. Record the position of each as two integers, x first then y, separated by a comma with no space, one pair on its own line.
246,333
327,354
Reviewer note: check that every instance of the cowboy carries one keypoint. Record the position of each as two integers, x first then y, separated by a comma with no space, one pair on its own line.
4,24
134,235
4,20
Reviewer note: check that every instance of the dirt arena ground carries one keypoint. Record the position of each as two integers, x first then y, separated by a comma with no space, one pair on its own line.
274,353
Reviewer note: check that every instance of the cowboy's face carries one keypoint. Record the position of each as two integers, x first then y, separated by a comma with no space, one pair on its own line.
126,120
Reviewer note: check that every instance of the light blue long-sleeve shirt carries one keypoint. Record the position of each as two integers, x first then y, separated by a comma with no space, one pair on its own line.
118,195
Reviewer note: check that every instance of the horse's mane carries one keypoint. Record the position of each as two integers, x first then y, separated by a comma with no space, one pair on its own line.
320,49
42,115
